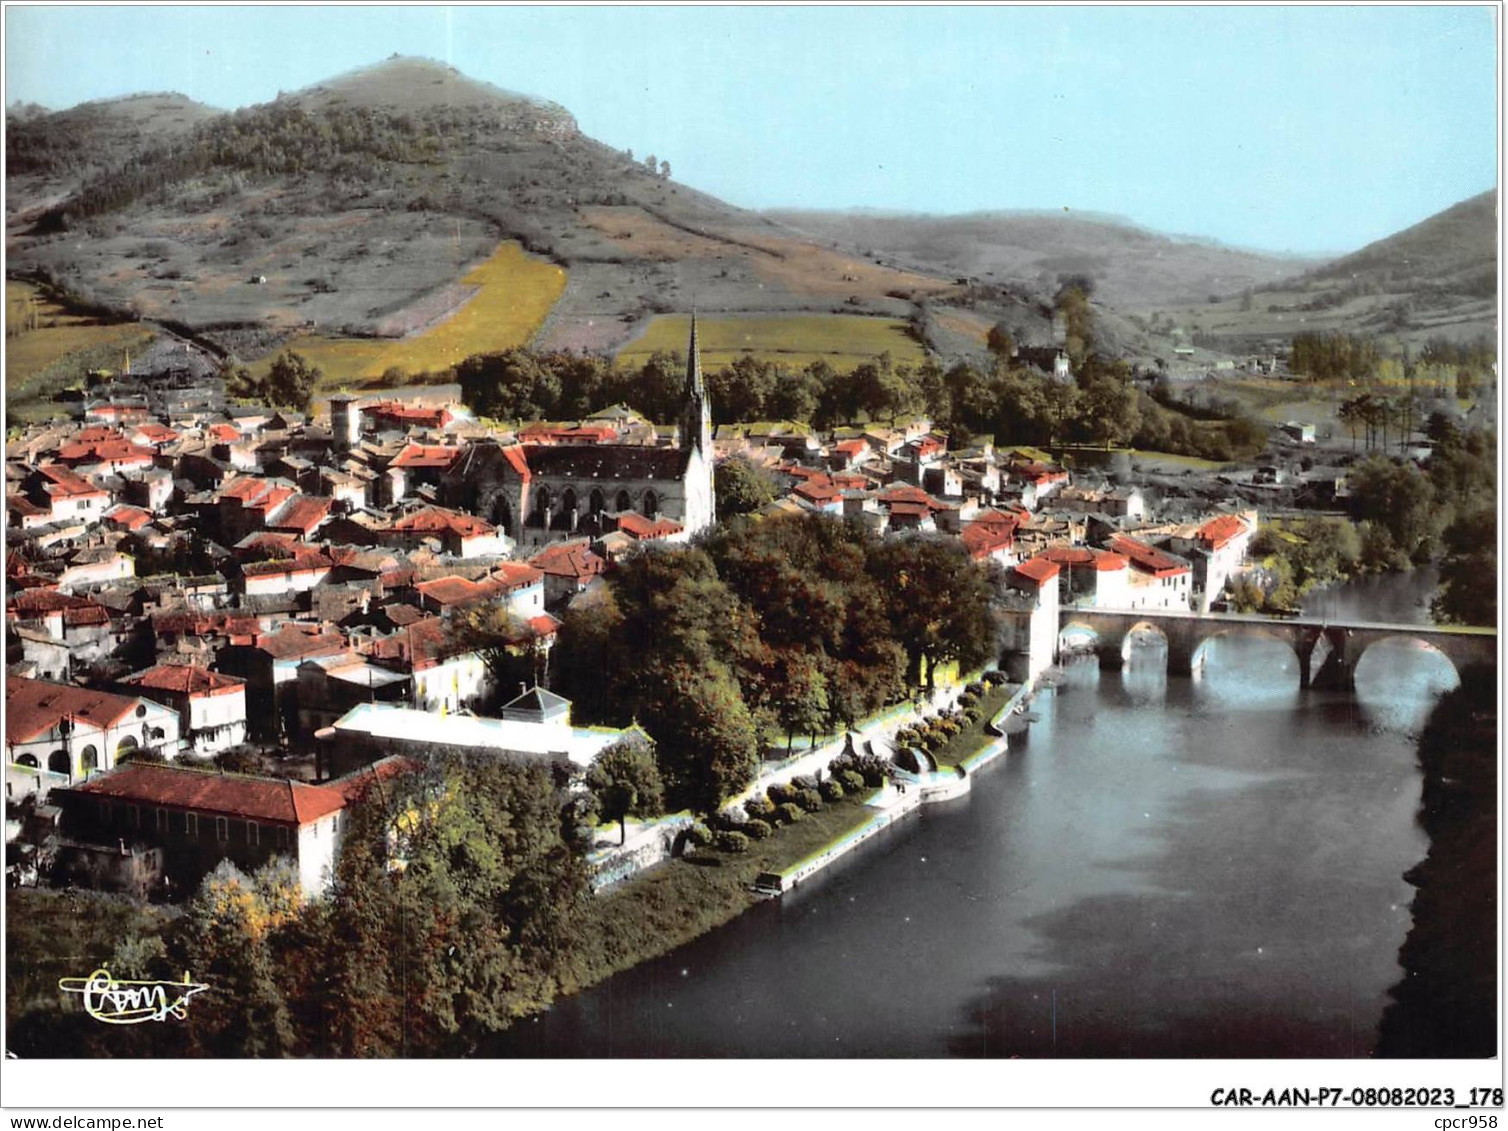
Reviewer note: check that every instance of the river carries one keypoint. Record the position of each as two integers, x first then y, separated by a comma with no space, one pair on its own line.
1160,867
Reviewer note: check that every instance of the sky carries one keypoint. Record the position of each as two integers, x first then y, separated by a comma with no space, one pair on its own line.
1302,129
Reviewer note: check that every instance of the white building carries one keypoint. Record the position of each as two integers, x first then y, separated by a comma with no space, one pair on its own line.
211,706
56,733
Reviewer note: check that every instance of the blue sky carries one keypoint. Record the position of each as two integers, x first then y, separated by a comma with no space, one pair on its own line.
1302,128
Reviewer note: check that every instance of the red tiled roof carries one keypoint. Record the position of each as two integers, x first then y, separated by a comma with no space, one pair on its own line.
225,433
187,680
438,520
353,787
34,706
580,434
1069,555
128,518
67,483
818,491
97,432
1038,569
271,800
635,525
424,455
24,507
245,488
303,513
569,559
105,451
1148,558
155,433
451,590
518,457
982,539
1220,530
86,615
851,447
298,641
39,602
544,625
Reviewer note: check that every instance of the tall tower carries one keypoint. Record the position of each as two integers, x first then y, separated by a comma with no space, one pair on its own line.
696,420
345,421
696,442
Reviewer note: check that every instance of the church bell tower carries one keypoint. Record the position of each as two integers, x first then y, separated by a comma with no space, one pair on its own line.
696,420
696,442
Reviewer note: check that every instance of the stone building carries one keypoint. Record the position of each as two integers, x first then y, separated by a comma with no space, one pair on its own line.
544,493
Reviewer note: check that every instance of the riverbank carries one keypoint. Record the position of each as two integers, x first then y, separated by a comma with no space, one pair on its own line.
673,903
1445,1004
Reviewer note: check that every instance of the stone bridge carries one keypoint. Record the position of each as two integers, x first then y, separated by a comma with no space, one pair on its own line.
1327,651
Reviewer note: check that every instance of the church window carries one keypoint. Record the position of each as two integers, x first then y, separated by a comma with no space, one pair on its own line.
624,502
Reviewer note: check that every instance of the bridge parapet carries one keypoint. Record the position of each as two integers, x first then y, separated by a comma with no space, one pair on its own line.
1328,652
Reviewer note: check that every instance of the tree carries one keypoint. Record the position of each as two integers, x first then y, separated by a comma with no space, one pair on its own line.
291,381
1000,341
665,170
626,781
740,487
223,938
1469,570
507,645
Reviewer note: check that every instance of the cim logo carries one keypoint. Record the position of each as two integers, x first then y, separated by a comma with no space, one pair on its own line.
130,1003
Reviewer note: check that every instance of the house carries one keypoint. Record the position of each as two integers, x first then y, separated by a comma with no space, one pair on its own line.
198,818
1029,617
1090,577
568,568
461,535
519,587
445,676
269,665
211,706
1158,579
56,733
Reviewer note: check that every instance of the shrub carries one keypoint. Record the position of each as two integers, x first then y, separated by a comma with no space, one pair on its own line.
791,813
780,793
809,799
699,835
874,770
994,678
975,688
933,741
852,780
830,790
759,808
803,781
967,700
732,842
757,829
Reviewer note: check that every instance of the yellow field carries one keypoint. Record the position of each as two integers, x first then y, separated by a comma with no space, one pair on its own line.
58,334
843,341
56,354
514,293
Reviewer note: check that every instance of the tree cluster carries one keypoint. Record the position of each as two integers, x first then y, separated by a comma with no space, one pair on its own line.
788,626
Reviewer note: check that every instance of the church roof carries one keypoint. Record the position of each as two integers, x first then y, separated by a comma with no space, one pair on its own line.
606,461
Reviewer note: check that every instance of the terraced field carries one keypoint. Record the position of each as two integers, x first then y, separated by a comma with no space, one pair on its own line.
52,349
843,341
501,303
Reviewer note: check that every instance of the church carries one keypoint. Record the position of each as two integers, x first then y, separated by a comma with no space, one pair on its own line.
543,493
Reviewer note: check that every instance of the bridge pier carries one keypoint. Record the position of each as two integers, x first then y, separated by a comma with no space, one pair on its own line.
1180,654
1337,672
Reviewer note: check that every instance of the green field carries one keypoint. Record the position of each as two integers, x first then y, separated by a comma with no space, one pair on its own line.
48,349
514,294
842,340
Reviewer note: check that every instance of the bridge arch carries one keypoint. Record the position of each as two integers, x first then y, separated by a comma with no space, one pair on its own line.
1077,638
1142,630
1398,641
1280,635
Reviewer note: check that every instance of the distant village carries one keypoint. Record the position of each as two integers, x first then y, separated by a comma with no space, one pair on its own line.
190,579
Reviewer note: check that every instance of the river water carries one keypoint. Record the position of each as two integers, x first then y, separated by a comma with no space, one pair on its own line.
1185,867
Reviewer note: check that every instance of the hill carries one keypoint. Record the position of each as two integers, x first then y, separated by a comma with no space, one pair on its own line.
1436,279
357,207
1129,264
1454,250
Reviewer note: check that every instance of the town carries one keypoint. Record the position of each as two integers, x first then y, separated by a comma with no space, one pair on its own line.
327,564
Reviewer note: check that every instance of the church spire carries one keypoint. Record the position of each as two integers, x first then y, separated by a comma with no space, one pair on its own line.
696,425
694,386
